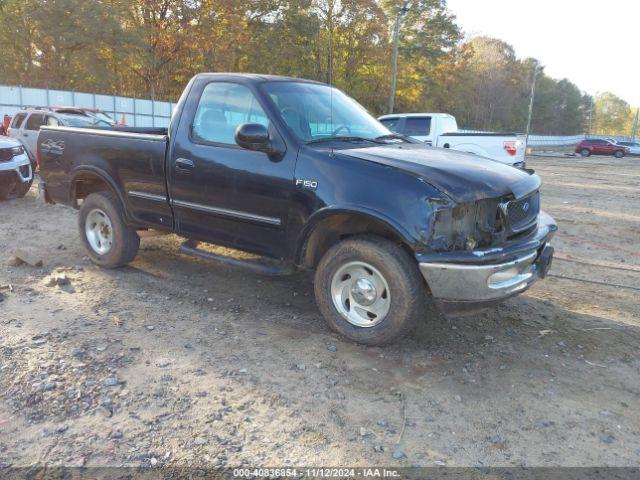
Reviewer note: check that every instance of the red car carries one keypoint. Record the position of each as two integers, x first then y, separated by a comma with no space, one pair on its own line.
601,147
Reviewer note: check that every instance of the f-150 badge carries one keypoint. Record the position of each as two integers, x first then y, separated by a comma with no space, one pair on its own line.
310,184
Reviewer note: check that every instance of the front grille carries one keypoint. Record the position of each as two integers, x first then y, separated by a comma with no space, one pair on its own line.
5,154
522,213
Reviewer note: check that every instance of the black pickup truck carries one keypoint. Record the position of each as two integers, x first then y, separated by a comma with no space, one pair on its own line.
300,175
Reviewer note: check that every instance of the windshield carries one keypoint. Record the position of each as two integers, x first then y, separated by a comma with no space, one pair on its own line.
315,112
72,120
102,117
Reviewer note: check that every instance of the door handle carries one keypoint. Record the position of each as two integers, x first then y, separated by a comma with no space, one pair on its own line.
25,134
184,165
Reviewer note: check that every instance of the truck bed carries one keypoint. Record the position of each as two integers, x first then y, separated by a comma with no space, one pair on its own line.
130,159
141,130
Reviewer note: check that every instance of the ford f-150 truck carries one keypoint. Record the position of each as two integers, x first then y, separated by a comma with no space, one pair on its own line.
441,130
300,174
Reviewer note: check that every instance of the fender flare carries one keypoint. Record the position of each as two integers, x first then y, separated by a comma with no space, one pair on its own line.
100,173
327,212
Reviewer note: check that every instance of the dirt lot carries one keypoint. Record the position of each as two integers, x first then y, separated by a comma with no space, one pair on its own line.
173,361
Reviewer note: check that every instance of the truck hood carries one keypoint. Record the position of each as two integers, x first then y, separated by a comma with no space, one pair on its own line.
463,177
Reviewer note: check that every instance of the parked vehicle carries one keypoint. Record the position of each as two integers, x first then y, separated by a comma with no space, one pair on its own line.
102,118
16,174
301,174
595,146
26,124
441,130
634,147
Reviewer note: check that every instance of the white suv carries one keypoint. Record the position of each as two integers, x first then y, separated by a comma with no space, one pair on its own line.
16,174
26,123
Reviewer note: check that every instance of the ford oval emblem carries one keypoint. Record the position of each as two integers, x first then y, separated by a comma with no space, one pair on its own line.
525,207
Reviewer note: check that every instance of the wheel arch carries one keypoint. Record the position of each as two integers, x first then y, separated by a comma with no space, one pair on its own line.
330,225
87,180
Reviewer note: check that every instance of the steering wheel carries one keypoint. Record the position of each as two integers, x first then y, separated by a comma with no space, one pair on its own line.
339,129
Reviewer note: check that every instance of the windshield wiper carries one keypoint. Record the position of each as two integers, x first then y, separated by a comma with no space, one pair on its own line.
393,136
343,139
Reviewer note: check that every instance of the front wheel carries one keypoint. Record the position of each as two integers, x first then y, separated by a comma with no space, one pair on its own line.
619,154
14,190
22,188
370,290
585,152
109,241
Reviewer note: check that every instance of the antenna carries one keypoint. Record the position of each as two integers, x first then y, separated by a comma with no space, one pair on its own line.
331,67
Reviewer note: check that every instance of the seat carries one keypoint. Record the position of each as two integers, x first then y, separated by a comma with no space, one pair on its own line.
213,127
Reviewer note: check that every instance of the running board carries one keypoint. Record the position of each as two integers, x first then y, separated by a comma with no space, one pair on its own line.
264,267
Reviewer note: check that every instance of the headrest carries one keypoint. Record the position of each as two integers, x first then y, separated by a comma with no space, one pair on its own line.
213,116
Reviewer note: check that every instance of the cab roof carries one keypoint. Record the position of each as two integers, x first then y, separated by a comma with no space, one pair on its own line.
258,77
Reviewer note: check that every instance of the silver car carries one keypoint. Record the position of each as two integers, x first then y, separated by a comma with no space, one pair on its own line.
26,124
634,147
16,174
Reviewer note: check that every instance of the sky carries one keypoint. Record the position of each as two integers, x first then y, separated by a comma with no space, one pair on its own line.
594,44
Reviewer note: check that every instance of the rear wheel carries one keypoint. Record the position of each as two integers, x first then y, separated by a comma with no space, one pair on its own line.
109,241
585,152
619,154
369,290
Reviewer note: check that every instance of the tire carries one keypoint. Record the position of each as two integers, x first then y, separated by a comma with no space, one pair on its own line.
109,241
371,256
22,189
14,190
585,152
619,154
6,190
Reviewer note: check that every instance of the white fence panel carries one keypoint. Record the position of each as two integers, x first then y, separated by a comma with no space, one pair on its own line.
135,111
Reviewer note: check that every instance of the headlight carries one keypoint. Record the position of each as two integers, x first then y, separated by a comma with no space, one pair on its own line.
15,151
467,226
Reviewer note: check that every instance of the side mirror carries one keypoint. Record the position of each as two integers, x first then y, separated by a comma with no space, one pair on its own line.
254,136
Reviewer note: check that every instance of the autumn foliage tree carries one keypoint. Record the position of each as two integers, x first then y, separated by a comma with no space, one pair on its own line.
150,49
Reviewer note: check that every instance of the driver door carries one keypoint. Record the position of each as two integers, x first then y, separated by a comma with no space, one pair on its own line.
220,192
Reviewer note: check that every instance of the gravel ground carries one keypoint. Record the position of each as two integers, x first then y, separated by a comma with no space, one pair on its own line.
175,362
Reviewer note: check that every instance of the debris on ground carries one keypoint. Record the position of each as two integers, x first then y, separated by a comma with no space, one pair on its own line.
22,257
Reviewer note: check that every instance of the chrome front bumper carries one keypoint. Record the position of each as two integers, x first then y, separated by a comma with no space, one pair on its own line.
475,279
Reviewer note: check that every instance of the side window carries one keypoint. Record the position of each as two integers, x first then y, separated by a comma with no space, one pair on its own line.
418,126
223,106
391,123
34,122
18,119
51,121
